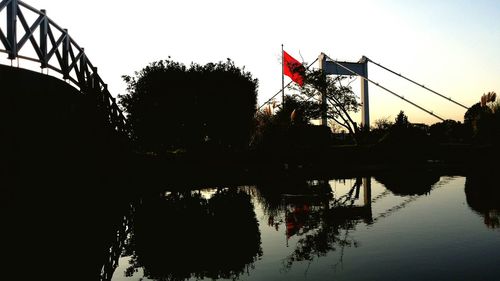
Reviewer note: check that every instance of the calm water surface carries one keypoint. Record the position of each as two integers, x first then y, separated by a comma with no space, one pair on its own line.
379,228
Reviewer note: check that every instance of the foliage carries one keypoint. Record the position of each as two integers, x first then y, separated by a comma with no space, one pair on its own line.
340,98
289,126
403,133
297,110
383,124
401,121
447,131
172,106
482,120
378,131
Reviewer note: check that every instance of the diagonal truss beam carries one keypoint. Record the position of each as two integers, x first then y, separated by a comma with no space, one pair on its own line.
4,4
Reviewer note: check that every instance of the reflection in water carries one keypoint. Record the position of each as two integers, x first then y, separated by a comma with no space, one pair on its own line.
410,182
311,211
184,235
118,245
294,204
62,235
181,235
482,193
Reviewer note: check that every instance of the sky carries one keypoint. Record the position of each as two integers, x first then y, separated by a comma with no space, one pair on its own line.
450,46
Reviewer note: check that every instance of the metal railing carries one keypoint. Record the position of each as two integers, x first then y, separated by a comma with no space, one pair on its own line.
56,50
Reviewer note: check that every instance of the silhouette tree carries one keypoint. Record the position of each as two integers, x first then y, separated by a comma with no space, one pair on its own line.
482,120
447,131
378,131
172,106
403,133
405,142
297,111
383,124
289,127
340,98
401,121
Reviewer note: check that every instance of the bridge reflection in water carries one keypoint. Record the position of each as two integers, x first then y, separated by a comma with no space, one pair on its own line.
311,212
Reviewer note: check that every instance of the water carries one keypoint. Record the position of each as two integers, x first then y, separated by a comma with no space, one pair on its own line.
397,226
414,227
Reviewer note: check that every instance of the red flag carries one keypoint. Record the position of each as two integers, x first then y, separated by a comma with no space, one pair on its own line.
293,69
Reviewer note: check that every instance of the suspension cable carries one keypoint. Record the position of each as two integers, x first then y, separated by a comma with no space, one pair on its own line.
392,92
421,85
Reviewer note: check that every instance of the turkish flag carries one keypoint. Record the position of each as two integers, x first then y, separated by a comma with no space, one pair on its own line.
293,69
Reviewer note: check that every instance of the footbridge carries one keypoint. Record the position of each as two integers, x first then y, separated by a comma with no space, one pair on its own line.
43,41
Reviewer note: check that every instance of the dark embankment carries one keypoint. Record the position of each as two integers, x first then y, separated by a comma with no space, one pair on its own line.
212,167
60,173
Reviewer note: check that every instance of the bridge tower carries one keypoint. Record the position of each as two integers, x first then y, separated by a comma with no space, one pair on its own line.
360,68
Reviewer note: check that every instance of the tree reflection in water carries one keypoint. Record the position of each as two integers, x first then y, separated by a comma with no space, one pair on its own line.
311,211
405,183
183,235
483,196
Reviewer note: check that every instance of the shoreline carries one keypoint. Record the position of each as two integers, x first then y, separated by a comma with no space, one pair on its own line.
251,167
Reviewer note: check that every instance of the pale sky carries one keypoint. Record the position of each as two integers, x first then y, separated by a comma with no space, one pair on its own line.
450,46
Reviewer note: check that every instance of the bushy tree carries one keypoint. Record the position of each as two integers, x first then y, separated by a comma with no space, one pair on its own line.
482,120
289,127
383,124
341,100
172,106
404,133
378,131
447,131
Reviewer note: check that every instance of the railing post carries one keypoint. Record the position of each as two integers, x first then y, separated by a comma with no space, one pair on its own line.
93,79
108,105
11,28
43,38
65,55
96,89
83,66
104,100
114,113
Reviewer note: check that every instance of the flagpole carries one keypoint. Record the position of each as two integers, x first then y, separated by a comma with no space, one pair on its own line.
282,78
279,91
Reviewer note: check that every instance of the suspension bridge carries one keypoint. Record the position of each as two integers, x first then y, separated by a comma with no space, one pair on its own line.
360,69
